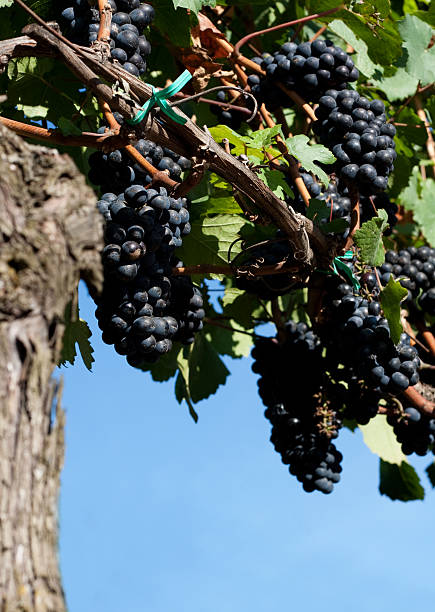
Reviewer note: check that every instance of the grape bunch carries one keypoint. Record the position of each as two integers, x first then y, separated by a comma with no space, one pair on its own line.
227,116
414,431
358,336
336,196
417,266
309,69
115,171
356,131
128,45
290,386
142,309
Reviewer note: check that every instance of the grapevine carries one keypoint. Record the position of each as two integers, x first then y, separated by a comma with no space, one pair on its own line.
281,168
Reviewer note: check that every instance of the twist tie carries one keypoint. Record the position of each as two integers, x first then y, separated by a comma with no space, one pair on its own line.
338,264
159,97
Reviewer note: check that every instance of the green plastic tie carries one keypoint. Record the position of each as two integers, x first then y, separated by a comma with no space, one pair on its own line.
337,263
159,97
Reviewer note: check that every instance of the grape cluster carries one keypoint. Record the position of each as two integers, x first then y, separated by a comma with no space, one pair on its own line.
336,196
356,131
417,265
358,336
291,387
116,171
128,45
414,431
142,309
227,116
308,68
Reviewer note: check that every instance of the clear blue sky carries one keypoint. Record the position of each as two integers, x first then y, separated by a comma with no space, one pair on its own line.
159,514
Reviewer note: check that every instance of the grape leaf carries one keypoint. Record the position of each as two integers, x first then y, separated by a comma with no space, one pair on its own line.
361,59
399,481
420,61
210,240
207,371
424,210
419,196
391,296
242,307
380,438
398,86
430,471
182,390
369,239
219,132
427,16
193,5
229,341
262,138
175,23
336,226
276,182
68,128
4,3
318,210
307,154
76,332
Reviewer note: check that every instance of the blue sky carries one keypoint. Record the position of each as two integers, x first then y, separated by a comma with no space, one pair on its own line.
163,515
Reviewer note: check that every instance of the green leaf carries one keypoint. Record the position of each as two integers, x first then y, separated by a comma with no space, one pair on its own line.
193,5
276,182
174,23
391,296
419,196
219,132
318,210
182,390
76,332
262,138
420,61
361,59
4,3
424,210
336,226
68,128
307,154
369,239
399,482
230,342
430,471
380,438
207,371
242,307
211,238
397,87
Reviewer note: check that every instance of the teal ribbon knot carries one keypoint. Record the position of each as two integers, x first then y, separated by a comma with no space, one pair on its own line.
337,263
159,98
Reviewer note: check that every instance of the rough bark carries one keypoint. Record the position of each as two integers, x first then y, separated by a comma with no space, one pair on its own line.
50,234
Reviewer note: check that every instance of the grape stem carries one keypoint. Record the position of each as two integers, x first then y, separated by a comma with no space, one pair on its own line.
418,401
228,270
109,140
354,216
241,60
287,24
105,21
430,143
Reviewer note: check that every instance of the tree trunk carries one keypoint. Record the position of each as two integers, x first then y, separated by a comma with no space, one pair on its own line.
50,236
